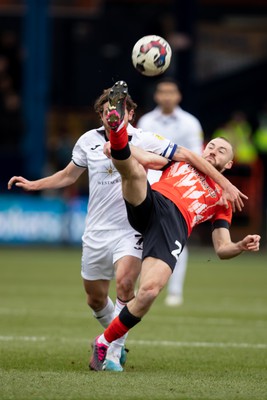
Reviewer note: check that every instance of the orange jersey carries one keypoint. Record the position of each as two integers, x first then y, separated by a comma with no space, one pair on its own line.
195,194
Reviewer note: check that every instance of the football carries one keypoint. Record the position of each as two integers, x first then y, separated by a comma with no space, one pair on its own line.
151,55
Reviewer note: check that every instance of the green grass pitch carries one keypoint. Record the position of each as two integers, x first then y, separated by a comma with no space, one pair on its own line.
213,347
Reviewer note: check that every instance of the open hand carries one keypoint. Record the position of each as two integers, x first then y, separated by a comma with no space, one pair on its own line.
233,194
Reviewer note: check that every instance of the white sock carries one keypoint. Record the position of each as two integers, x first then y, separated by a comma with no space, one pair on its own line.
119,305
106,315
116,346
101,339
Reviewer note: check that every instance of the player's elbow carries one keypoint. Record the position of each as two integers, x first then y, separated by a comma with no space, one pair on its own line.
222,254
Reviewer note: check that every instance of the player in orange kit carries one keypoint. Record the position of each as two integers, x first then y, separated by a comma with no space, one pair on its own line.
165,214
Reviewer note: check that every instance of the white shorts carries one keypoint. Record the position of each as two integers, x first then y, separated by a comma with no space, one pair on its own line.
101,249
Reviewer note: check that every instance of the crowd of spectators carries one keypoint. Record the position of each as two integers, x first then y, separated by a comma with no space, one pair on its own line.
250,142
11,120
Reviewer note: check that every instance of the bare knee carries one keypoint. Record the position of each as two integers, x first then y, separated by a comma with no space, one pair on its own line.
96,294
146,296
125,288
95,303
127,272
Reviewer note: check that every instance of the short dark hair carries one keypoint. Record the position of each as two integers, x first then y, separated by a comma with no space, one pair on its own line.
168,79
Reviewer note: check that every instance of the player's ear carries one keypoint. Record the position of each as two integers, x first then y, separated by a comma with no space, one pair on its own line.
229,165
179,95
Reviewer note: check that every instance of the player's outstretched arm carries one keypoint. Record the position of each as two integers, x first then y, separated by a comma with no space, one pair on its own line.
231,192
147,159
60,179
226,249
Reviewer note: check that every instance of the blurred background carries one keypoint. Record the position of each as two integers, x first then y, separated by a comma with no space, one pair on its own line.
57,56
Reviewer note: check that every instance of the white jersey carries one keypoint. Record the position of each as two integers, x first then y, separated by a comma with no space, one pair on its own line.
106,208
180,127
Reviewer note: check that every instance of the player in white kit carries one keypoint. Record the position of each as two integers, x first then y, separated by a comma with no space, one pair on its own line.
110,245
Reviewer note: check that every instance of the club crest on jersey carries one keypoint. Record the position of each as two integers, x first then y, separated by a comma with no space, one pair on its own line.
109,172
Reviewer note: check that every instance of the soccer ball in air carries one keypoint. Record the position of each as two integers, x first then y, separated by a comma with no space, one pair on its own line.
151,55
